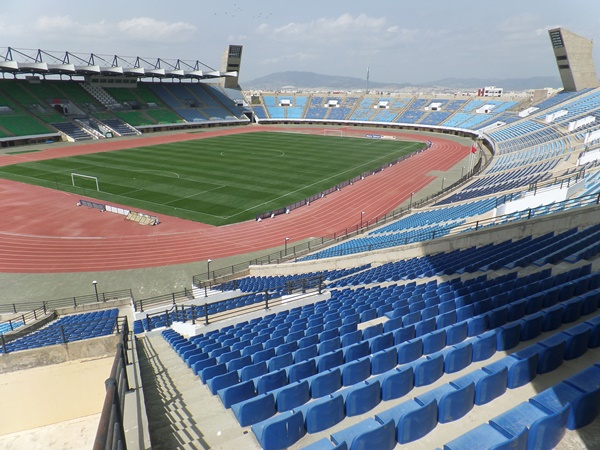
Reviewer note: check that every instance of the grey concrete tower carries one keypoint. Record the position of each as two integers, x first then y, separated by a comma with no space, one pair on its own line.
574,60
232,60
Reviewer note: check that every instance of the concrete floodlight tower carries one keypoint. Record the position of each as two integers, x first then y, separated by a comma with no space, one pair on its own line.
574,60
232,60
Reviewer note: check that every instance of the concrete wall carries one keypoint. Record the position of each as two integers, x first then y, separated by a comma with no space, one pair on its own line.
56,354
557,222
51,394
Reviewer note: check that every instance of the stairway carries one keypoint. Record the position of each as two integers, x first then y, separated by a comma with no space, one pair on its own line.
179,406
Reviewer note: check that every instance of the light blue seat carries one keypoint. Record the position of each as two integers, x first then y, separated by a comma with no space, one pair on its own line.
356,351
369,433
585,408
361,397
325,382
545,430
410,350
396,383
508,336
577,340
356,371
301,370
270,380
413,419
428,369
222,381
280,431
254,410
323,413
487,437
253,370
457,333
552,353
457,357
292,395
384,360
488,385
453,402
237,393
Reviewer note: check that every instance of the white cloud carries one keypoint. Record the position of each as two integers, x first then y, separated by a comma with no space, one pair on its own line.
147,28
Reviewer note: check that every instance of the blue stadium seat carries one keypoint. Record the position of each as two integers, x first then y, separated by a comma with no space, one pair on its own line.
280,431
325,382
292,395
488,385
457,357
384,360
410,350
323,413
453,402
356,371
237,393
413,419
270,381
369,433
428,369
487,437
361,397
254,410
301,370
545,430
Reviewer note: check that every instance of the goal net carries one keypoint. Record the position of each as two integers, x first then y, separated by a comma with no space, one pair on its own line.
331,132
83,183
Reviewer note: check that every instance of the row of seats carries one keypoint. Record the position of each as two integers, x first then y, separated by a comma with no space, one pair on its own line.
68,329
414,418
296,391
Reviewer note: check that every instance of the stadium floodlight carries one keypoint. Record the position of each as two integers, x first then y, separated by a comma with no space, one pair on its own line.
285,243
208,261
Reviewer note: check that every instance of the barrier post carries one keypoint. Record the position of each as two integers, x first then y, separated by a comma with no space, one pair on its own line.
206,314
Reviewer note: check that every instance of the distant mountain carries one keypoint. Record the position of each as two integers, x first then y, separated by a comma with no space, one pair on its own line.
312,81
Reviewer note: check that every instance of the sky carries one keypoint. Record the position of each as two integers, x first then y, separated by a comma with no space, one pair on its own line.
399,41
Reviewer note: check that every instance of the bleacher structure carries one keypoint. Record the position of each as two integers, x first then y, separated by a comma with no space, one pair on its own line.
470,323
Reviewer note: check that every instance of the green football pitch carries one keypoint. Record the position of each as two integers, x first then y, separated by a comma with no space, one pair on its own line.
217,180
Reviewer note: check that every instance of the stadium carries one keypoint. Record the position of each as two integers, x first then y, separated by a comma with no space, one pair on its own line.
295,270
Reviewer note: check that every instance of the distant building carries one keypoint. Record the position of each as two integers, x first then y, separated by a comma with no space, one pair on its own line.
574,60
489,91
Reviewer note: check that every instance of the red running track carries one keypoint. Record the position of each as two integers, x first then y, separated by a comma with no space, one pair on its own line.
43,230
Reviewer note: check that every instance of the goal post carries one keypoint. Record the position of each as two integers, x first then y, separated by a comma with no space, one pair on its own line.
333,132
74,176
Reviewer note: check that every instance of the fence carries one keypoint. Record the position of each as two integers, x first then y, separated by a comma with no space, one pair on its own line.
161,300
65,333
272,297
49,305
111,432
216,276
22,319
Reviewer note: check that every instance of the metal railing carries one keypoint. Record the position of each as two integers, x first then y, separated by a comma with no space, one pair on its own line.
161,300
65,331
272,297
111,432
50,305
23,319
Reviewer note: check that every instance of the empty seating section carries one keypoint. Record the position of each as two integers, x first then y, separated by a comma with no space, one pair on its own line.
5,327
305,370
69,328
380,241
260,284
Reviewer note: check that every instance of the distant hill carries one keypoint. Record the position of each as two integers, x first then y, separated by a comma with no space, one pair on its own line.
312,81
